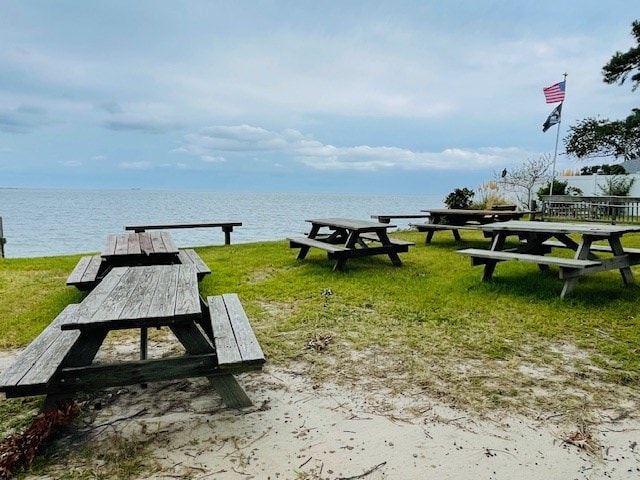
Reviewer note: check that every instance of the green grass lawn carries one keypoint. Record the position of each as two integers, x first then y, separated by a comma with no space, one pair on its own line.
430,325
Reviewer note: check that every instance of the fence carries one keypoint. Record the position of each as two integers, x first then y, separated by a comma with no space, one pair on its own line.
594,209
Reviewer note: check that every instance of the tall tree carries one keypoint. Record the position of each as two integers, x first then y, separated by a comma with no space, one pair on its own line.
593,137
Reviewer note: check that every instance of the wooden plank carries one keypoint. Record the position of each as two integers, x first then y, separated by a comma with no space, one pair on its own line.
190,257
223,336
93,269
139,302
146,246
78,272
110,245
477,253
169,244
39,361
297,242
393,241
188,298
164,298
157,244
168,226
248,345
122,244
94,299
133,247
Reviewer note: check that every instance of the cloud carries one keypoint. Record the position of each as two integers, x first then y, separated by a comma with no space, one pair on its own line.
23,119
72,163
246,140
140,165
152,126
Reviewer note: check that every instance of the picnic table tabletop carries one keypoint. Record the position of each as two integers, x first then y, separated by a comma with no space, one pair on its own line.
139,243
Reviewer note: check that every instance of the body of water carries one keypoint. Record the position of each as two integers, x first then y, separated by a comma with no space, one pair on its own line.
57,222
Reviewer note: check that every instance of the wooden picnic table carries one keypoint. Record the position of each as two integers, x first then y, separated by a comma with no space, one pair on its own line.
132,249
349,239
139,248
456,219
536,241
158,296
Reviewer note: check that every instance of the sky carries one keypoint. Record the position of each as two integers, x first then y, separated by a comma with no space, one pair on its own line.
297,96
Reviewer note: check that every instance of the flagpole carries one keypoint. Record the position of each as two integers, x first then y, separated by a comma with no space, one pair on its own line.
555,151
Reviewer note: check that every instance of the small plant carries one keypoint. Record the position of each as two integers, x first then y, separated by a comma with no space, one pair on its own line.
559,188
459,198
617,186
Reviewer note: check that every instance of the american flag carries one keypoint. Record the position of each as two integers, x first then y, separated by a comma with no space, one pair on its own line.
554,93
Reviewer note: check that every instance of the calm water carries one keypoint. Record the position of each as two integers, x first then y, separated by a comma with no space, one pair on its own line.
54,222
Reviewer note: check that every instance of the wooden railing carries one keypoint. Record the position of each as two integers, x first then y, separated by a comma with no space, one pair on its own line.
593,208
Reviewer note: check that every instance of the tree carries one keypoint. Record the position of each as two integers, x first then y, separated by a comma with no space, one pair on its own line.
594,137
622,64
603,170
459,198
521,180
559,188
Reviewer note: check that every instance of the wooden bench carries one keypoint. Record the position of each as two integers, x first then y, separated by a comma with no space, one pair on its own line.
480,257
299,242
87,272
34,368
394,241
237,348
227,227
431,228
190,257
594,247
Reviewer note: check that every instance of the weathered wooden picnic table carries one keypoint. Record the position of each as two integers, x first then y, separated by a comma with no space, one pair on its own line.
133,249
455,219
217,338
536,241
350,239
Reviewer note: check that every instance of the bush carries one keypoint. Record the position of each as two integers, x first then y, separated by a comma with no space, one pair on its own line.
459,198
617,186
559,188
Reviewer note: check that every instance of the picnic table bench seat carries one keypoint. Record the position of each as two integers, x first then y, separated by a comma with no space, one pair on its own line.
481,256
297,242
34,368
393,241
431,228
87,272
190,257
594,247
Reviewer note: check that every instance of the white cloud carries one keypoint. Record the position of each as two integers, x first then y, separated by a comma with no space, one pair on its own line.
246,140
141,165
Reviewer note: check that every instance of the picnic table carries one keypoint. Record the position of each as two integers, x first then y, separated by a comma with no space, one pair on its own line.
455,219
537,239
131,249
216,337
350,239
227,227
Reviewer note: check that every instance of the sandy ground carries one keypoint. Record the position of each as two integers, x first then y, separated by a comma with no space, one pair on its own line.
300,430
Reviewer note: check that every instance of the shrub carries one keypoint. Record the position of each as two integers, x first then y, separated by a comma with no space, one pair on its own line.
459,198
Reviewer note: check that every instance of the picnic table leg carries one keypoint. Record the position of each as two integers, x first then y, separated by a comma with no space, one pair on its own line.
232,394
227,229
384,240
616,249
304,249
582,253
81,354
496,244
456,234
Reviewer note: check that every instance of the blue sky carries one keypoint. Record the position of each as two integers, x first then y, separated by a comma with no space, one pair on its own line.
322,96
